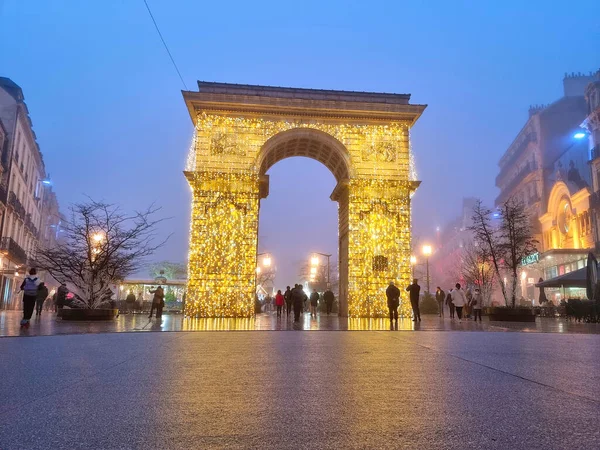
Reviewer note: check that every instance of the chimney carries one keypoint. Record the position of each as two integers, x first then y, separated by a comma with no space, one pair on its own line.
574,84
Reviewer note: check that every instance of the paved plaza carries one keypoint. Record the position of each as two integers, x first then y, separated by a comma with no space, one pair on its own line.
246,389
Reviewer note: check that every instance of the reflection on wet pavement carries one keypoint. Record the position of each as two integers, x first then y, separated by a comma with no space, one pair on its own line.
48,324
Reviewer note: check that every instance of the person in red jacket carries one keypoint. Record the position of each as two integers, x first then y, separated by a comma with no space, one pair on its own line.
279,300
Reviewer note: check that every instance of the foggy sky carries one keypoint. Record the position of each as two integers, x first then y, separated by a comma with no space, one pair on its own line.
111,123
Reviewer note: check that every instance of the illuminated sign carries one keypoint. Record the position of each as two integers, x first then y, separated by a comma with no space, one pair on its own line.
531,259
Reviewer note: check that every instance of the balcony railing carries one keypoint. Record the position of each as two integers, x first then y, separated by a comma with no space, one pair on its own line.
595,152
595,199
12,250
531,137
16,205
3,194
507,190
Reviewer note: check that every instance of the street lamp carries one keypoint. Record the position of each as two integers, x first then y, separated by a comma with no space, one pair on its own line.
413,262
427,252
314,261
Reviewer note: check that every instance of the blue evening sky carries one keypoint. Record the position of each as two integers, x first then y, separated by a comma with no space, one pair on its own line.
107,109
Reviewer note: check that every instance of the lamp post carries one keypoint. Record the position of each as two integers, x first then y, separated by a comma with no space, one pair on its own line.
413,263
314,262
266,263
427,252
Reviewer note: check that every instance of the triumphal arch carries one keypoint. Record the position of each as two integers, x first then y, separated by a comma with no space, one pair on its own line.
241,131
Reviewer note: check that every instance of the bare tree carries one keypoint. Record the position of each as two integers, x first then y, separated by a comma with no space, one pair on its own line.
506,245
516,240
266,277
101,246
170,270
488,239
476,269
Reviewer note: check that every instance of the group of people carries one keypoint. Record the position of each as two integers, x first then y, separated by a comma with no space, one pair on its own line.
296,300
460,302
35,294
158,301
457,300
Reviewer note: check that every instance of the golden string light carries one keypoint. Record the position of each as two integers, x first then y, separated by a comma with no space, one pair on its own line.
224,175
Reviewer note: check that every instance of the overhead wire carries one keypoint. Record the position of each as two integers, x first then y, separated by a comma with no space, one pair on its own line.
165,44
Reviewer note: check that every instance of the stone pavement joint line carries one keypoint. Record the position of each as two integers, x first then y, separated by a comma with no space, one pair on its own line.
584,397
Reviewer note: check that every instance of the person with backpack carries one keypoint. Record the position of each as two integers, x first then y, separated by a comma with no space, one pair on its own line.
42,294
30,288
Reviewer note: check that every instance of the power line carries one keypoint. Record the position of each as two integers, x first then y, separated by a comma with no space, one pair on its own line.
165,44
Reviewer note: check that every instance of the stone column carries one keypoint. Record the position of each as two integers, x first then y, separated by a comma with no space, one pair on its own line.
379,240
223,241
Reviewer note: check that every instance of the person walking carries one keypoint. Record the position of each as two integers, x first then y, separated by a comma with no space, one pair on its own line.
314,302
29,286
440,296
40,298
140,302
279,301
477,304
450,304
329,299
459,299
287,295
415,290
393,301
130,302
157,302
298,300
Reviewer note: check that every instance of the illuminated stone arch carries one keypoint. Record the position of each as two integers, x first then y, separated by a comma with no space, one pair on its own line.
310,143
241,131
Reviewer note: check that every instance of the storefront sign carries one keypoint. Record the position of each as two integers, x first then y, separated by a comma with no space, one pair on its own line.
531,259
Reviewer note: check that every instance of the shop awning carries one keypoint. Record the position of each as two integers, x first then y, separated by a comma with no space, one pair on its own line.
576,279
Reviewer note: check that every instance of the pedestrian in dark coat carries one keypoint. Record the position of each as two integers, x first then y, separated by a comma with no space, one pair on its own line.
314,301
449,303
415,290
329,299
287,295
298,297
157,302
40,298
393,301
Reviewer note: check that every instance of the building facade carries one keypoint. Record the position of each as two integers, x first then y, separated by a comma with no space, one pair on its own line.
547,168
23,190
592,125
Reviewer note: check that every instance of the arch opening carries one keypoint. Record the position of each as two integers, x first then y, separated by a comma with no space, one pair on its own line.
310,143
